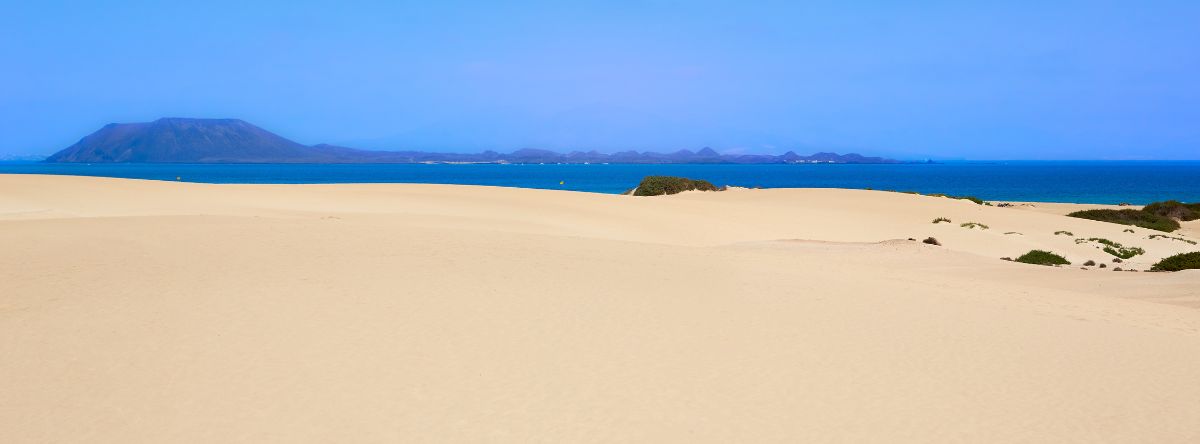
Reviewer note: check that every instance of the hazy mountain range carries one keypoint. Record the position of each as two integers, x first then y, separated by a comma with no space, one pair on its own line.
185,140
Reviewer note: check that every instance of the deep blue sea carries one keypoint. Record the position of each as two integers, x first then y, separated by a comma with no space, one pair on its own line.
1135,182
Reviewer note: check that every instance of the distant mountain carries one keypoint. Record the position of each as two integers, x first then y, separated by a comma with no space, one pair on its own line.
178,140
181,140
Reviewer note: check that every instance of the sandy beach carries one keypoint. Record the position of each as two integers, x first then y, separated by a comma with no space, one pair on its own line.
143,311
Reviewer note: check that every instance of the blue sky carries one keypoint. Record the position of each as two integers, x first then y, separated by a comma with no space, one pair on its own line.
940,79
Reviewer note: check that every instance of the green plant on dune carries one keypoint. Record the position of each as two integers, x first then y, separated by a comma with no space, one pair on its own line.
977,200
661,185
941,219
1114,248
1174,209
1042,257
1063,233
971,225
1137,218
1124,253
1163,236
1183,261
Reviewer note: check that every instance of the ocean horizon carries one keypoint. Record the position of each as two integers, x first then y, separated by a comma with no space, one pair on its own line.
1094,182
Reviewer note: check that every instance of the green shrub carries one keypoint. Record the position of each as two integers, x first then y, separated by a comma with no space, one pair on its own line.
1114,248
1129,217
941,219
1064,233
973,225
1124,253
977,200
1174,209
1041,257
1183,261
661,185
931,241
1090,263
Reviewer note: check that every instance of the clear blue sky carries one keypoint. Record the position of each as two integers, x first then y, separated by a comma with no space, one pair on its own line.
942,79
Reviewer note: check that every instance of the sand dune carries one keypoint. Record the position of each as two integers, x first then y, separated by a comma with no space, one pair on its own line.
140,311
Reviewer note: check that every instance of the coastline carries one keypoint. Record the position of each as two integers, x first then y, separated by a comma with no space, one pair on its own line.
1140,183
174,311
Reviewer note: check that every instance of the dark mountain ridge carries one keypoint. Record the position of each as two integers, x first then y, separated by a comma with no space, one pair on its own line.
184,140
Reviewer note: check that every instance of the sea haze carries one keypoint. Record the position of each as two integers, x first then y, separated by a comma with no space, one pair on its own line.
1106,182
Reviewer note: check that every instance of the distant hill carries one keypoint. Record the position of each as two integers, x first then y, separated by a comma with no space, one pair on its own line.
178,140
182,140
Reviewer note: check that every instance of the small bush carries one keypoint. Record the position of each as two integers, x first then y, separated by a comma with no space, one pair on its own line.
1063,233
1117,269
1117,260
1041,257
1014,232
1114,248
1129,217
1128,230
1183,261
662,185
1174,209
1089,263
1006,258
1124,253
977,200
970,225
931,241
941,219
1103,265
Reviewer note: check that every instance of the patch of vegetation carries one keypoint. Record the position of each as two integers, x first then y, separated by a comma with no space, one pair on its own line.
931,241
1089,263
1183,261
1129,217
941,219
663,185
1174,209
1156,236
1042,257
970,225
1114,248
1103,265
1128,230
1063,233
1013,232
977,200
1124,253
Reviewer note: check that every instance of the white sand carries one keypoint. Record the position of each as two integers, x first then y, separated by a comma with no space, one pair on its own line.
138,311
